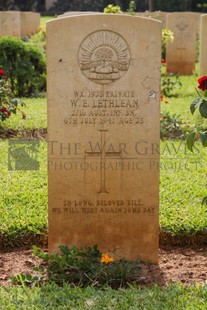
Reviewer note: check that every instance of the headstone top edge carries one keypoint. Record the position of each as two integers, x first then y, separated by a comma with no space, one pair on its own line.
102,15
184,13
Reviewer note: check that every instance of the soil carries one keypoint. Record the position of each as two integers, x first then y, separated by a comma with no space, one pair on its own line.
176,264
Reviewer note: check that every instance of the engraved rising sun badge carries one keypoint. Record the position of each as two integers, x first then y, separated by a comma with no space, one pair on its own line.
104,56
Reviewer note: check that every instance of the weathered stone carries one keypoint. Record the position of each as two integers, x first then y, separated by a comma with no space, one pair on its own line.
203,46
159,15
103,75
10,23
30,22
180,54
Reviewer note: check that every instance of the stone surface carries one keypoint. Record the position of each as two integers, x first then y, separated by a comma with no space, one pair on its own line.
10,23
203,46
18,24
103,76
180,54
66,14
30,22
159,15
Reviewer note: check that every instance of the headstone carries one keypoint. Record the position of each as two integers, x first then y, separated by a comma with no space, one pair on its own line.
30,22
203,46
66,14
103,74
180,54
198,17
10,23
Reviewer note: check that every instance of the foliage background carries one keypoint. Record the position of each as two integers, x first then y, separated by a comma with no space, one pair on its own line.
98,5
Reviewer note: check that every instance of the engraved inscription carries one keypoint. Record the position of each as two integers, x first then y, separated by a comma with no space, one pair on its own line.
99,107
104,206
104,56
182,24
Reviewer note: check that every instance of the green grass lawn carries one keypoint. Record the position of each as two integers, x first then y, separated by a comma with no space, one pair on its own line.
35,116
45,19
52,297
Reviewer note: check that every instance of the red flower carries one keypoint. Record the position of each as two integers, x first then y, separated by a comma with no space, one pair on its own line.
163,61
202,82
3,110
2,73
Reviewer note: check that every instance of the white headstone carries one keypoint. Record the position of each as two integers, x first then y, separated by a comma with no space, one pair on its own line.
103,130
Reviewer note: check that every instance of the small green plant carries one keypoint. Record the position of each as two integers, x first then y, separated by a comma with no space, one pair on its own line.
167,37
25,66
8,102
82,267
39,39
112,9
170,83
170,126
28,279
132,8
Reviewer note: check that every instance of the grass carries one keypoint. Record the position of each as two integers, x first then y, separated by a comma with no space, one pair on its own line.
182,187
45,19
23,198
51,296
35,113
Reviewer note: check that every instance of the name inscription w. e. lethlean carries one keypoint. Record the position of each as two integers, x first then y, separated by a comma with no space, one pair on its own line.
90,107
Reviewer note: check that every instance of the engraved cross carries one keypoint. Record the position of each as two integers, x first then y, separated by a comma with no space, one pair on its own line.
103,154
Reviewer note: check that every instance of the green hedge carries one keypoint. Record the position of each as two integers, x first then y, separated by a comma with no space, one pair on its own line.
25,66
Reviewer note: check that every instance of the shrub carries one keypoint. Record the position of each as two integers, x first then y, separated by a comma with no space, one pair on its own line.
39,39
170,83
171,126
112,9
199,103
8,103
167,37
25,66
82,267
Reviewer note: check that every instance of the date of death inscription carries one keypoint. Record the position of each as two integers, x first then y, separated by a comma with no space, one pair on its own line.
103,206
104,107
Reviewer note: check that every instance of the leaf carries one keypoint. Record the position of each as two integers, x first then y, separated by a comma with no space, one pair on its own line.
190,140
195,104
204,201
203,135
203,108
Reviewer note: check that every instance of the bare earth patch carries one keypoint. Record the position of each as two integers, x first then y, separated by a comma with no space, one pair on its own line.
176,264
